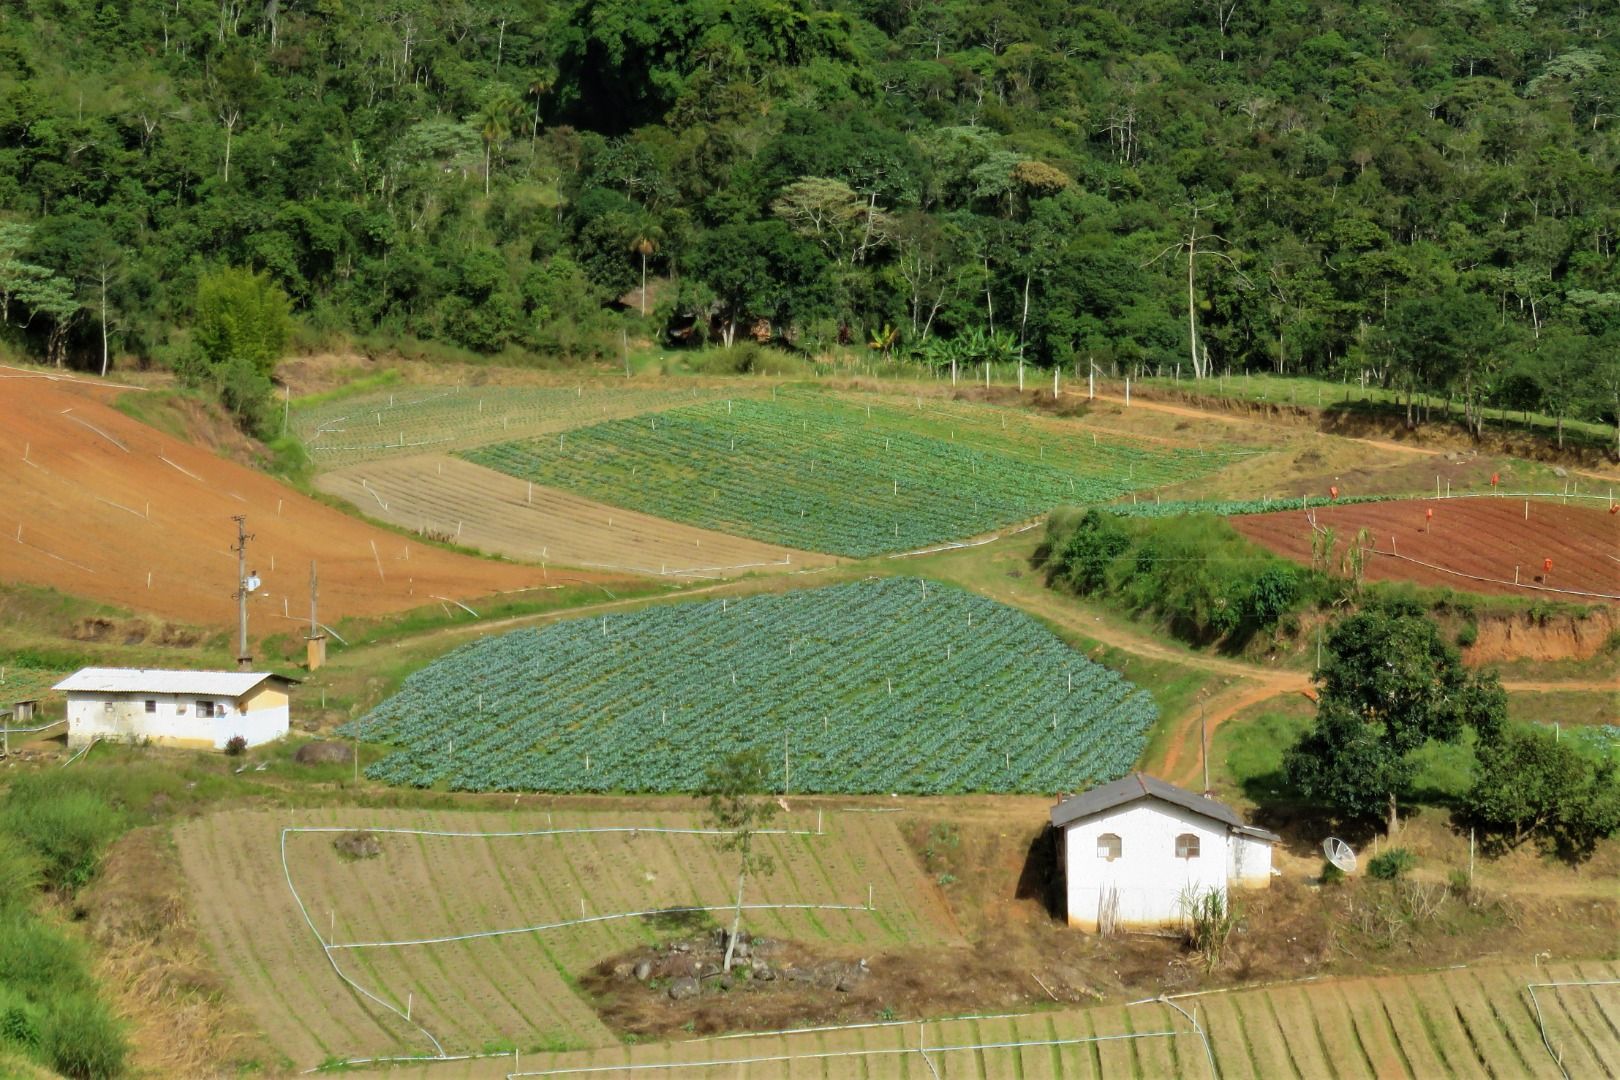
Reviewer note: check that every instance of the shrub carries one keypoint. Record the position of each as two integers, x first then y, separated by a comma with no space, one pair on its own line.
37,960
1210,918
68,831
1467,634
235,745
20,872
1391,864
1331,874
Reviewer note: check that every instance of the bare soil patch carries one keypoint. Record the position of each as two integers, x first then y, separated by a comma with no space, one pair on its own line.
447,498
1470,545
102,506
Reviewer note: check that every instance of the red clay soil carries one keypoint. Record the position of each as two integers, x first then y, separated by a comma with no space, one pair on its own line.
1485,538
92,502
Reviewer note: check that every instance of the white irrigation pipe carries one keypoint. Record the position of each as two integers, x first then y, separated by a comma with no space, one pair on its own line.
856,1027
822,1055
82,752
1491,580
1541,1024
458,604
476,935
386,446
326,950
181,468
30,730
1209,1052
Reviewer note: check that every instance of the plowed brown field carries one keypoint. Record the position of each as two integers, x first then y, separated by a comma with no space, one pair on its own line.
503,515
1472,545
102,506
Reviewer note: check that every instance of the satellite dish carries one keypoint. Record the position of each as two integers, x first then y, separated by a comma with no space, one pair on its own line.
252,582
1340,854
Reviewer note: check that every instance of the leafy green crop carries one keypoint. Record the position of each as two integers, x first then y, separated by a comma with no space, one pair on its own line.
813,472
891,684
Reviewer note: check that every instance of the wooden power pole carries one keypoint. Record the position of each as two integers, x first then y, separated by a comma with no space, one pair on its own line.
245,584
316,642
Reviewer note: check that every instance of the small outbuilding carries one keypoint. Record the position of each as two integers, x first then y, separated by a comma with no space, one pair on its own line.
197,709
1135,853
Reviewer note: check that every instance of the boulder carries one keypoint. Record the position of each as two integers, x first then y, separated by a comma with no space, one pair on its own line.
643,970
683,988
763,971
324,753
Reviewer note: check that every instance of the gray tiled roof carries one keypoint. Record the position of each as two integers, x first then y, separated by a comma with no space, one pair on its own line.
1139,786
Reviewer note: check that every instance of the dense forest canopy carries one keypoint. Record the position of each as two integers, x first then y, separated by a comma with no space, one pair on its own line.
1422,190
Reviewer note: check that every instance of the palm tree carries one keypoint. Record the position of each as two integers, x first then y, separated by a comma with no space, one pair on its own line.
494,121
644,245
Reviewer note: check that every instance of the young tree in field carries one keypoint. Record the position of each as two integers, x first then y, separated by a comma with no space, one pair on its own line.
1388,685
738,808
1532,786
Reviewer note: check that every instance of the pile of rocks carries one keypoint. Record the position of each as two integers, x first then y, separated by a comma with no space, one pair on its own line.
691,967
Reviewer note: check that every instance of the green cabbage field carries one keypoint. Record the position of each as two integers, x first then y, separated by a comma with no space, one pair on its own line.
811,471
885,685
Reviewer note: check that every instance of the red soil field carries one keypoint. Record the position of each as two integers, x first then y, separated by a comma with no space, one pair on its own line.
92,502
1483,537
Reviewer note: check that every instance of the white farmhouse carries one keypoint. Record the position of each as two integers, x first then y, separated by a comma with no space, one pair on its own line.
1136,851
198,709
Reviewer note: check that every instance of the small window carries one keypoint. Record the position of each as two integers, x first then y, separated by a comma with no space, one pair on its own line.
1108,846
1187,846
205,708
107,707
151,706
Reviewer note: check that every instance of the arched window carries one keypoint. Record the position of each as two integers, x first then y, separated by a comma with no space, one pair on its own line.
1187,846
1108,846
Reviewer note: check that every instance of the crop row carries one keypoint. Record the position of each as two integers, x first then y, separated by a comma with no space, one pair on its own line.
427,419
891,685
815,473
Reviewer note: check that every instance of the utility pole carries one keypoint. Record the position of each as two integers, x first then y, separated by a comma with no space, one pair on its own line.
1203,740
245,584
316,643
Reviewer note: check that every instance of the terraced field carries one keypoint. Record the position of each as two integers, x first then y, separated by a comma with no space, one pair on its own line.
515,987
886,685
1459,1023
438,419
822,473
443,496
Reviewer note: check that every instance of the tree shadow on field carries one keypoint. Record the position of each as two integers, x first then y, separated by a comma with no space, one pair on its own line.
681,921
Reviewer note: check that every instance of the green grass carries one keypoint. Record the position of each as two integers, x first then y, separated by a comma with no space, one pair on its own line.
1247,753
821,473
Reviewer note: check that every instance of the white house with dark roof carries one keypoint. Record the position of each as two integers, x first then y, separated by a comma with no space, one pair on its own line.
199,709
1136,851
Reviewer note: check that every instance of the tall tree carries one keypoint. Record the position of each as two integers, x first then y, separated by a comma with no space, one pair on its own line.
738,809
1388,684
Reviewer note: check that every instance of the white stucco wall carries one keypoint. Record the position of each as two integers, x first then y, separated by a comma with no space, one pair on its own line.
123,718
1251,862
1147,877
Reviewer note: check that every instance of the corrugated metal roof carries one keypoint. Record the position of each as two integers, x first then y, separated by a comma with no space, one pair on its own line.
232,684
1136,786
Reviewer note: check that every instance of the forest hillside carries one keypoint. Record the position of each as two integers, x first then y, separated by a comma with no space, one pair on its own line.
1419,192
